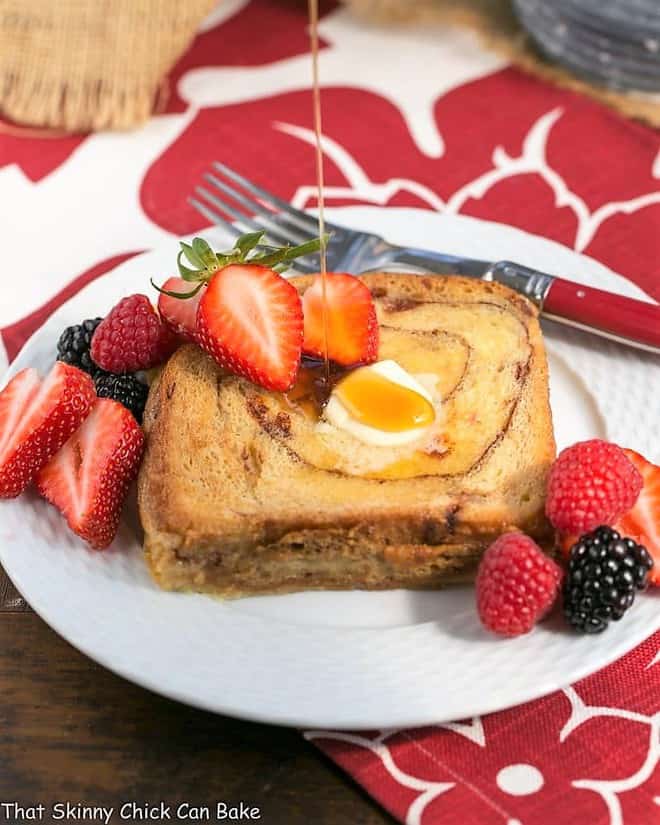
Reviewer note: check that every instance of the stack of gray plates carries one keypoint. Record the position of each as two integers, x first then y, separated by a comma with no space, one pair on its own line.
614,43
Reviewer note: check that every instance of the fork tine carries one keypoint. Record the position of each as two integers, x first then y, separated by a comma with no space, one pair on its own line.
241,217
214,217
294,228
273,234
229,210
209,214
306,222
268,217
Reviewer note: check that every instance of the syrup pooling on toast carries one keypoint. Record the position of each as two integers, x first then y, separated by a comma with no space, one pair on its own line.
314,386
316,95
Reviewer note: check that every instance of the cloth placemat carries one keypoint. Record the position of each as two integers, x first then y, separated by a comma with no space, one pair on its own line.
475,137
585,754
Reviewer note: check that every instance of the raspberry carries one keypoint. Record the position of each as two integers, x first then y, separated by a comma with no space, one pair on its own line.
517,584
132,337
591,483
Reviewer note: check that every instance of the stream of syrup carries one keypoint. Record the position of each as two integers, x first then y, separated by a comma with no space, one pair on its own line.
316,97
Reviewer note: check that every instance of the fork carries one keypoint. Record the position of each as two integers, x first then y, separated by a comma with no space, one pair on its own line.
236,204
346,250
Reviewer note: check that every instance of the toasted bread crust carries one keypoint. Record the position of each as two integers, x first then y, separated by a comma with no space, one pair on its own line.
232,503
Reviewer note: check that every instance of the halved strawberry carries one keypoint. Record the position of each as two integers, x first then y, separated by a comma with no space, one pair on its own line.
88,478
250,321
180,314
642,523
36,418
351,320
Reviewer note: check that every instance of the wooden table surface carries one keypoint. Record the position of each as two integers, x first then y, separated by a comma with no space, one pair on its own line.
72,731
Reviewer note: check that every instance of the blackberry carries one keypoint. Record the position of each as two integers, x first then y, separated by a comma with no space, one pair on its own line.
73,346
604,571
126,389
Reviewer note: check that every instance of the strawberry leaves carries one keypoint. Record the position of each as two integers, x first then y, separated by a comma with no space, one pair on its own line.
246,243
181,295
248,249
283,254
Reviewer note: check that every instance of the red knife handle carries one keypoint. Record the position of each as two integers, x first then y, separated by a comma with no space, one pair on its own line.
626,319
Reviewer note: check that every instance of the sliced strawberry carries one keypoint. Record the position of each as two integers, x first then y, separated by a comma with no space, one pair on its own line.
180,313
642,523
351,320
250,321
88,478
36,418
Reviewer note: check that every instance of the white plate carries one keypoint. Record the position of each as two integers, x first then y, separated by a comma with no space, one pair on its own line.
336,660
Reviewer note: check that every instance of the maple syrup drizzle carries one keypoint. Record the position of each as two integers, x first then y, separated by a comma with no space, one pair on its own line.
316,96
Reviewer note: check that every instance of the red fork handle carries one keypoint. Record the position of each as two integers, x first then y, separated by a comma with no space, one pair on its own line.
614,316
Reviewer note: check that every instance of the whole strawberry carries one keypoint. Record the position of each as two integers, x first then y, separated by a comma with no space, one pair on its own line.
517,584
132,337
591,483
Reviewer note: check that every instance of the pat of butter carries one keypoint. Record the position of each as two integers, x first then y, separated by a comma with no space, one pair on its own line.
339,414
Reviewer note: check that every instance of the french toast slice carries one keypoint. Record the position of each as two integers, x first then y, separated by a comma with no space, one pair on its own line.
241,491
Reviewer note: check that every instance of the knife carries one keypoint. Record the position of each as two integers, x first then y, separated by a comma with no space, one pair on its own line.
625,320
